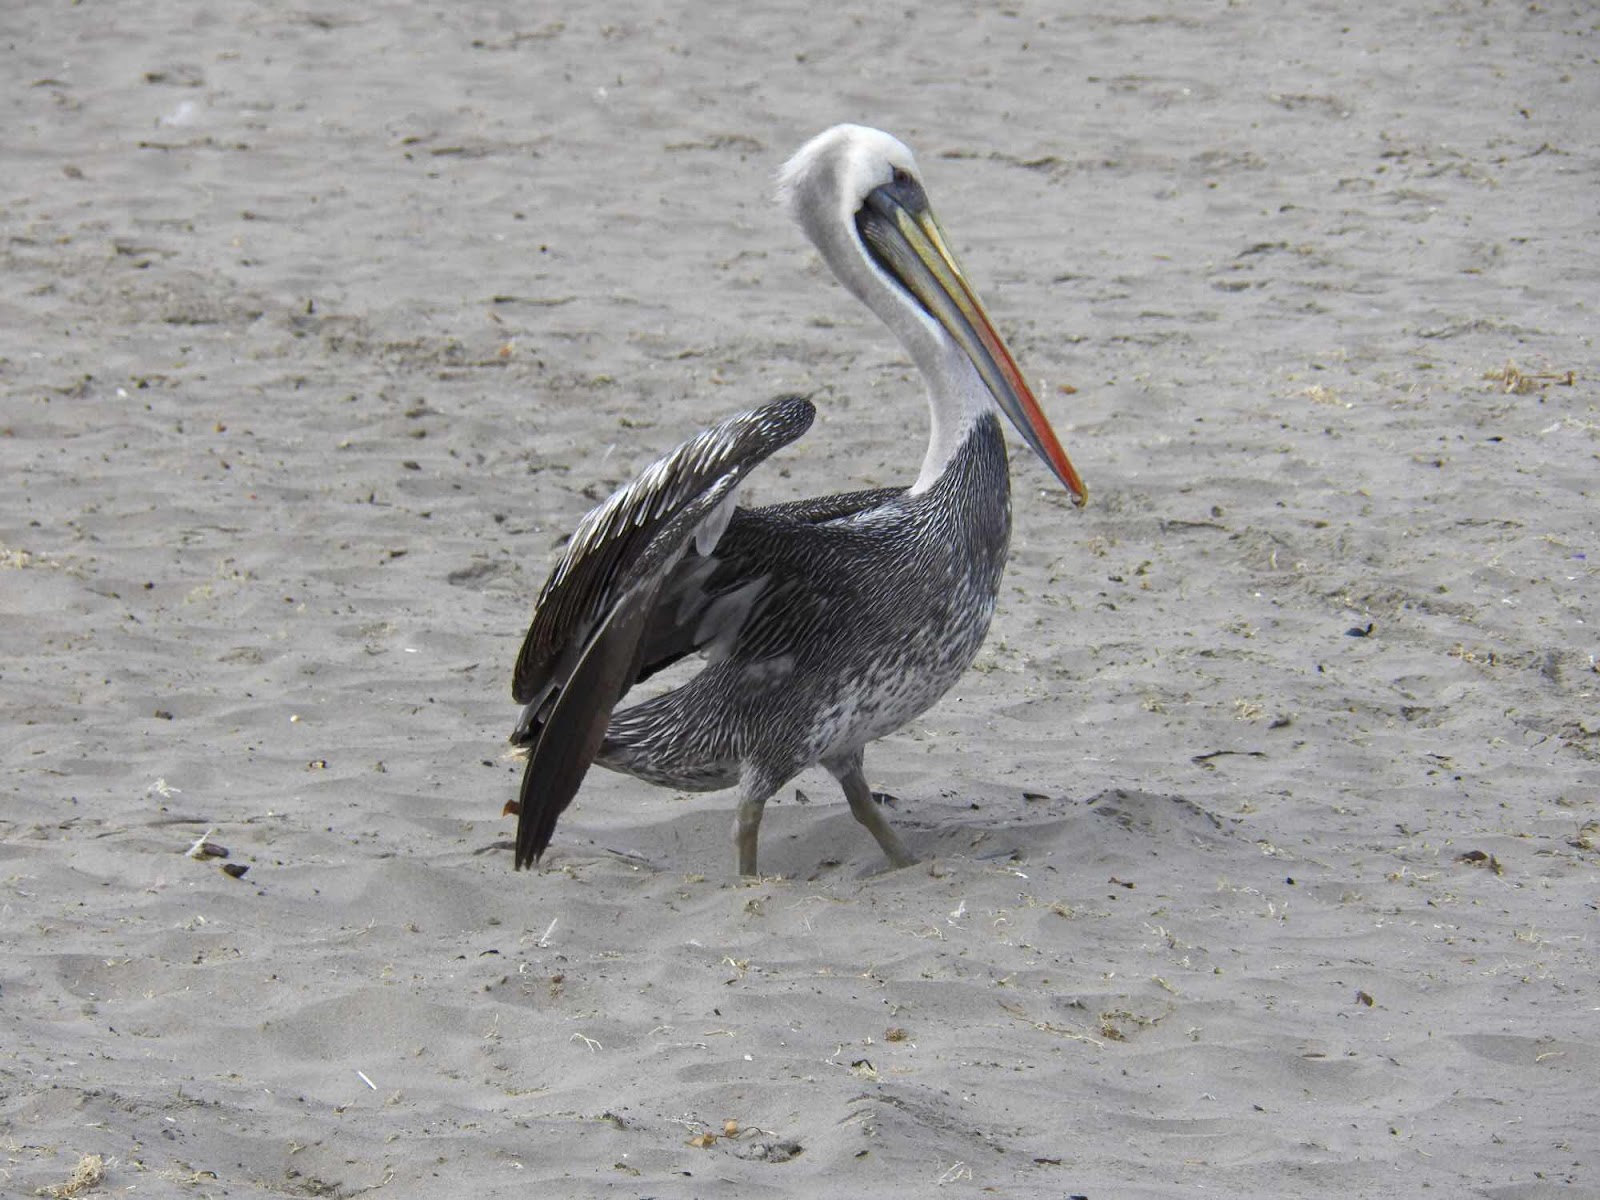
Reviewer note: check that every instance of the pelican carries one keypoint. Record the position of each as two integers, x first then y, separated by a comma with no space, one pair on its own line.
825,623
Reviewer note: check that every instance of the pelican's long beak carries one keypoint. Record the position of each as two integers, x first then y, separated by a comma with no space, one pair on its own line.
898,226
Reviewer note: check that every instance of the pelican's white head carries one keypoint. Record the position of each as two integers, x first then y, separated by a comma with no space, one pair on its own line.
825,184
838,169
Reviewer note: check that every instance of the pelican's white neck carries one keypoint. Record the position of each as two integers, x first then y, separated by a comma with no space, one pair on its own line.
957,398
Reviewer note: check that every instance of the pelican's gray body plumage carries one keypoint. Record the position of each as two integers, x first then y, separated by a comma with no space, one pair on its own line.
824,623
844,630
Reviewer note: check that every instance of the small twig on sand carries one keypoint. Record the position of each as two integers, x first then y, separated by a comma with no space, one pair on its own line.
1049,1027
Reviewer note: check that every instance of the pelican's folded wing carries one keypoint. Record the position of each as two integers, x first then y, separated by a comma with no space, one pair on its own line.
572,724
583,648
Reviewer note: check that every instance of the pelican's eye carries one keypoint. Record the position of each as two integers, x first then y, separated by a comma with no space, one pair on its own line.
902,177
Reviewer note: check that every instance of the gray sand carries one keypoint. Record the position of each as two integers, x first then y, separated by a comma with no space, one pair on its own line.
319,327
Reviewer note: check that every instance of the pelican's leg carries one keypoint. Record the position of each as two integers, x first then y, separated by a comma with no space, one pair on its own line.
755,789
852,778
746,827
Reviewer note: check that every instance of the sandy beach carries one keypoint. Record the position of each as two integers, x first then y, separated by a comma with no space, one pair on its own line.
1261,847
